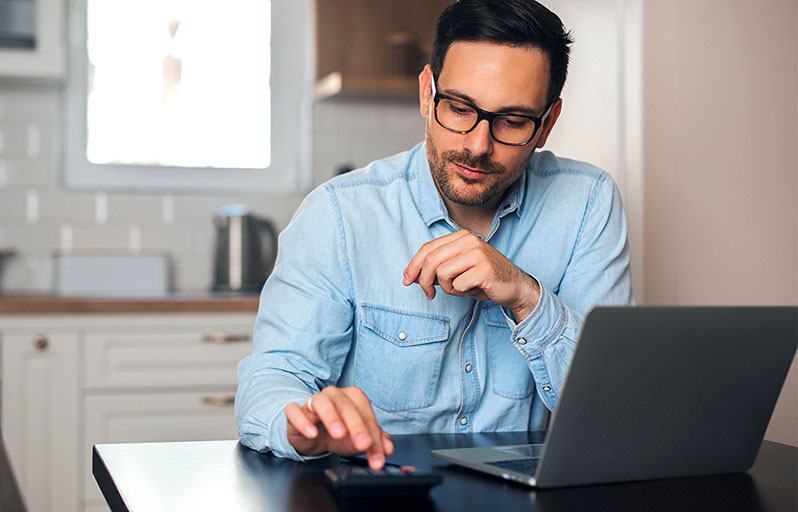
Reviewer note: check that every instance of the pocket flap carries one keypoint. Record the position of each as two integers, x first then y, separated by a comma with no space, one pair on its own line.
403,327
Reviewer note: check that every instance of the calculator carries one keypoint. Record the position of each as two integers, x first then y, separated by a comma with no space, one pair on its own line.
392,480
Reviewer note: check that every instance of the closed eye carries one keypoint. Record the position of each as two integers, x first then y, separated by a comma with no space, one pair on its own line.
514,121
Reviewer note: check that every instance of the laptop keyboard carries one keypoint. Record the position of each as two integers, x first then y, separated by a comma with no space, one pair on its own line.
526,466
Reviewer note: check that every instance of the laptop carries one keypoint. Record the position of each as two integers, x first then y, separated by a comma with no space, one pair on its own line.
656,392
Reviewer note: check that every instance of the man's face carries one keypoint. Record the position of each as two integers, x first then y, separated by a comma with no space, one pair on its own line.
471,169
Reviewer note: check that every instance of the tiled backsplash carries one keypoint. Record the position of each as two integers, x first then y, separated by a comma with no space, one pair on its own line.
38,216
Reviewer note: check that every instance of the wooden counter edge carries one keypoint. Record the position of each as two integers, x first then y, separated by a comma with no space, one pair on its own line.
176,304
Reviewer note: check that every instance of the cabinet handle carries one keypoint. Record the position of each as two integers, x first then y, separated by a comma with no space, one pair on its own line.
220,401
40,342
225,338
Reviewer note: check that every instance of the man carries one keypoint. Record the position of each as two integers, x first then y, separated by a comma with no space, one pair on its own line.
441,289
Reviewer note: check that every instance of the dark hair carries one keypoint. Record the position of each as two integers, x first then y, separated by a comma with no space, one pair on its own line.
509,22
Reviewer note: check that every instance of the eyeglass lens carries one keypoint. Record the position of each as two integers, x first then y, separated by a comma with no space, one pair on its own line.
506,128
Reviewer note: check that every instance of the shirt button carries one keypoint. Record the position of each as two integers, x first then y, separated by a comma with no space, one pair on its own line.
402,335
546,388
463,420
521,341
468,368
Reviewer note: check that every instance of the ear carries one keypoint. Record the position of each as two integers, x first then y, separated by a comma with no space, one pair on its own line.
425,89
548,124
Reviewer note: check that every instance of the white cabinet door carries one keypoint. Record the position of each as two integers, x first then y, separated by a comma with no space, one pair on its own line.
153,417
163,359
40,417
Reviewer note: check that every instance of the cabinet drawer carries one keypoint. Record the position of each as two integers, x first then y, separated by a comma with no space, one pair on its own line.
153,417
150,360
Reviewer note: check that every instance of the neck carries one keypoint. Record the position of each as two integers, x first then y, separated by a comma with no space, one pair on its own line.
476,219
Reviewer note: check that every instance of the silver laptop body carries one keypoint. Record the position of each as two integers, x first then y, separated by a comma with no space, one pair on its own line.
656,392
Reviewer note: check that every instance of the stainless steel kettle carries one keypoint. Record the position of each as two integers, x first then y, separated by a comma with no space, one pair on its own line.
246,247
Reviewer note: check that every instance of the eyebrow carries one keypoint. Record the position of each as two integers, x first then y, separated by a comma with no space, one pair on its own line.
517,109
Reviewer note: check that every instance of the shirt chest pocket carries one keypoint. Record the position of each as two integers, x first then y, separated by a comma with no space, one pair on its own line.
509,371
399,354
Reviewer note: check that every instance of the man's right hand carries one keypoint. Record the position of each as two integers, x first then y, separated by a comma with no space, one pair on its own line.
341,421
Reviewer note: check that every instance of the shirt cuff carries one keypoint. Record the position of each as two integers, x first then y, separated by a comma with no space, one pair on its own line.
544,324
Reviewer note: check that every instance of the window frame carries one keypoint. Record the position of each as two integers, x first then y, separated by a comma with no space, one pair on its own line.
291,81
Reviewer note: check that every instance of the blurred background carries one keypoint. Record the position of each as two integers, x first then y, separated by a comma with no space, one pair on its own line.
150,150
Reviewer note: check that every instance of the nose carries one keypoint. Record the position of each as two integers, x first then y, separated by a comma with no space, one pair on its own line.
479,141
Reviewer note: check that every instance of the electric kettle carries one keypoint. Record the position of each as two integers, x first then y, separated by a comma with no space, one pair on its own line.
246,247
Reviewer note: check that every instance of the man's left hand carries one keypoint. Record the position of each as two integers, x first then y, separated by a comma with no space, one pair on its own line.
464,265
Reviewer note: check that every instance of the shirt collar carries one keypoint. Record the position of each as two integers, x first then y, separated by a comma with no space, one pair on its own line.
430,203
428,199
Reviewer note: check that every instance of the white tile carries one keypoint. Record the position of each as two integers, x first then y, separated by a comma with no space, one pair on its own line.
31,240
34,139
32,206
100,208
193,275
3,173
12,206
27,274
176,240
25,173
168,209
131,208
100,238
203,240
59,206
29,104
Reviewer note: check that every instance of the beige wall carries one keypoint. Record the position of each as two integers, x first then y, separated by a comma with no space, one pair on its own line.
721,175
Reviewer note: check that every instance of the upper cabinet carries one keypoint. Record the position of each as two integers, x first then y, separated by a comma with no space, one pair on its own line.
373,47
39,53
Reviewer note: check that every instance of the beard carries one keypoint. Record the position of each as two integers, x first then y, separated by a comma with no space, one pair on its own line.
476,192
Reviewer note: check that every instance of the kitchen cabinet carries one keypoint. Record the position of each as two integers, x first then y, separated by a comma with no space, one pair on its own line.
373,47
40,414
46,60
71,381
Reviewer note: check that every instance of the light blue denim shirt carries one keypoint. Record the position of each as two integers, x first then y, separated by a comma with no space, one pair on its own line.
335,311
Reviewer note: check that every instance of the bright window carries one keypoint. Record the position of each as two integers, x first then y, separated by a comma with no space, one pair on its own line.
193,91
189,95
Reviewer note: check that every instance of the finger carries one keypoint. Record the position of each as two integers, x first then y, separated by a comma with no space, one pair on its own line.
416,263
328,414
387,443
302,423
376,452
430,269
356,426
452,268
470,283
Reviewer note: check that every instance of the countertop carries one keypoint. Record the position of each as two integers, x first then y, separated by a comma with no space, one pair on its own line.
174,303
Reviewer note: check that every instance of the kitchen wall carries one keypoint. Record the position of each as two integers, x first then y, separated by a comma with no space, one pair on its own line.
721,174
35,210
720,215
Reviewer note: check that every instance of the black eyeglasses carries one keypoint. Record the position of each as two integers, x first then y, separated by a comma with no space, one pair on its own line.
506,128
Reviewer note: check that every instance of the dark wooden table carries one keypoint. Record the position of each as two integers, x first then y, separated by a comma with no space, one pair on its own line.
225,475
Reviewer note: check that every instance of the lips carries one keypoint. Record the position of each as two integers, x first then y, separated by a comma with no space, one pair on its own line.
471,173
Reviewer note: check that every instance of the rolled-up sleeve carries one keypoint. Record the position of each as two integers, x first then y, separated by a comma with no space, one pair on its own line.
303,330
597,274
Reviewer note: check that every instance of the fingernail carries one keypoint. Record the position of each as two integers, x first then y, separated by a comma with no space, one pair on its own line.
377,461
363,441
310,431
338,430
